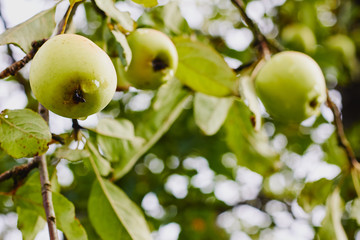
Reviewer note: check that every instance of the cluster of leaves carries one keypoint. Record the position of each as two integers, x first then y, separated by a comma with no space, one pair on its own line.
214,115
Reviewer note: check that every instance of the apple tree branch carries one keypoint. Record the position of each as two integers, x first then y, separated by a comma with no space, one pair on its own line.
46,184
260,40
16,66
343,141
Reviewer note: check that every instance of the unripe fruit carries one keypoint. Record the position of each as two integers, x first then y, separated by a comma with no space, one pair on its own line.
299,37
291,86
344,45
72,77
154,58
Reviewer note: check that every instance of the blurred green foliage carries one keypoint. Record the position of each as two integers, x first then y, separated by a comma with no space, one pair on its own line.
174,168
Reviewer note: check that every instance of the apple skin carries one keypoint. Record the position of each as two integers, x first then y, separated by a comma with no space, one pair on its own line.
72,77
345,48
299,37
342,44
154,59
291,86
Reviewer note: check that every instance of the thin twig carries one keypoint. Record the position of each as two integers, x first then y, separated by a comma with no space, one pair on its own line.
16,66
46,185
343,141
260,39
63,24
20,171
67,15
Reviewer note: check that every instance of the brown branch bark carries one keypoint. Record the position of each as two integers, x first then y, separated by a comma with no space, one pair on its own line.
46,185
20,171
343,141
16,66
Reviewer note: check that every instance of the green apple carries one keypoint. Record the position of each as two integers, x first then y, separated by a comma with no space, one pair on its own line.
299,37
72,77
154,59
345,47
342,44
291,86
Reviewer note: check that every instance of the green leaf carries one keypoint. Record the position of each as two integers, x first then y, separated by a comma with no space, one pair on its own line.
72,155
331,225
203,69
210,112
173,19
315,193
335,154
36,28
65,215
123,18
247,90
23,133
251,148
166,18
116,128
29,197
166,108
102,164
116,138
146,3
29,223
118,217
125,50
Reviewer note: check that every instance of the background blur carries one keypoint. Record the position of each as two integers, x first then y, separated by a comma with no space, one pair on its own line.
193,186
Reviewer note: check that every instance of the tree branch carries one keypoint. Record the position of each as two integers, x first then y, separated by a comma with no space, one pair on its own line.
16,66
46,184
19,171
63,24
343,141
260,39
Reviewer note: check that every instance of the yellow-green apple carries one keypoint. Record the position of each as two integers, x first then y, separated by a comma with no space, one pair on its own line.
299,37
154,58
345,47
72,77
342,44
291,86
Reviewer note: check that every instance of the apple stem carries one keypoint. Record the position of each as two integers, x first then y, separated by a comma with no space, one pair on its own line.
66,18
76,126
